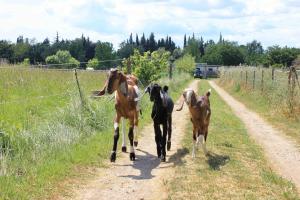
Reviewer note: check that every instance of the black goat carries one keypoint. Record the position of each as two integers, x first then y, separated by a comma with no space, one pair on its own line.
161,115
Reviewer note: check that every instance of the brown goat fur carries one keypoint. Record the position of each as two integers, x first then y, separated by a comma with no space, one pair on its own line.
126,105
199,107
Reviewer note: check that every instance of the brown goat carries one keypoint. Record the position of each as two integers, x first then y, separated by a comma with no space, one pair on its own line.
199,107
126,105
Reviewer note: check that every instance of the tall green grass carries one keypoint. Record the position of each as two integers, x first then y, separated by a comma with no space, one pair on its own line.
46,133
271,98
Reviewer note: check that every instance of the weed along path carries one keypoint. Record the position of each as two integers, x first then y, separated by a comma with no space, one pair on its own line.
281,151
144,178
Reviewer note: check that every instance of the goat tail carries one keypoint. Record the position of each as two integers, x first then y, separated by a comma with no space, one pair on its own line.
182,102
208,93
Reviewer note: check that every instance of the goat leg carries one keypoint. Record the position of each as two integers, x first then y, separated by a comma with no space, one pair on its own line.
130,136
116,138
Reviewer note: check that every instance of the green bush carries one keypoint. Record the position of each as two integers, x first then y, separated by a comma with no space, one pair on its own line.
61,58
277,65
185,64
26,62
93,63
149,67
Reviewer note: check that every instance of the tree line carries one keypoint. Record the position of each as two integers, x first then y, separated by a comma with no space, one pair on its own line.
78,50
224,52
102,55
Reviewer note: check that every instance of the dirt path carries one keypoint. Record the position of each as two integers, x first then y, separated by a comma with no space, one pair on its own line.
144,178
280,150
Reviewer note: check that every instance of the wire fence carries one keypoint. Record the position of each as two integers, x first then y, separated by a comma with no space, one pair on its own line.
62,66
280,87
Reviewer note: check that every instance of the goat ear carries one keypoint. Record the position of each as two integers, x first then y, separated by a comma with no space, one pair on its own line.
165,88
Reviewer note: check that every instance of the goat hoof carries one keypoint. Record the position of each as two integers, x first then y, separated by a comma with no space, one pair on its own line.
163,158
132,156
135,143
113,157
169,145
124,149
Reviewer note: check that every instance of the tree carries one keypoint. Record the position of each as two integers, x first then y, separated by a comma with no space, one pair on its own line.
192,48
223,54
184,41
283,56
201,47
220,39
62,59
104,51
137,42
20,50
57,38
93,63
6,49
152,43
185,64
143,40
130,39
148,66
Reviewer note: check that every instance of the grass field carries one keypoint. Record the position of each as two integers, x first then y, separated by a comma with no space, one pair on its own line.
46,134
235,169
272,102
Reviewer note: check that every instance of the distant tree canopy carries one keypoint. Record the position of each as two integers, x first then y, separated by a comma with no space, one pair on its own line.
82,49
185,64
145,44
230,53
105,51
62,57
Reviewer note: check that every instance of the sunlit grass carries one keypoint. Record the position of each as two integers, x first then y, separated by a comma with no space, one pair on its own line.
236,167
47,131
271,99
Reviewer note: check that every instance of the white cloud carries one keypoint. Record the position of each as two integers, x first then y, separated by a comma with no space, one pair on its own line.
269,21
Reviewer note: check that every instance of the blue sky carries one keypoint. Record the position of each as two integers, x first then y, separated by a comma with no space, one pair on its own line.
269,21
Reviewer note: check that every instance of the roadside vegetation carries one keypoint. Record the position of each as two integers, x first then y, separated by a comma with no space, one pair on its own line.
275,100
47,134
235,168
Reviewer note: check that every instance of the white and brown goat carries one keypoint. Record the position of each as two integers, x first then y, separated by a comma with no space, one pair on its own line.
199,107
126,105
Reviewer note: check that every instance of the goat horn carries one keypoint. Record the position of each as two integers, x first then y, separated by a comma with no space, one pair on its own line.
182,102
102,92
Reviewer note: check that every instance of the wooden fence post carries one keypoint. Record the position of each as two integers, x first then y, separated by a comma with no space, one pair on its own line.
246,77
78,86
241,77
273,70
262,80
253,79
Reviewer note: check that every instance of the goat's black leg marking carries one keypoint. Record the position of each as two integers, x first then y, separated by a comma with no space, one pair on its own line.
130,136
163,142
169,132
116,138
157,139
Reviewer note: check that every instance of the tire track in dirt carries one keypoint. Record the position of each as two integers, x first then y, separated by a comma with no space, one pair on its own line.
145,178
280,150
